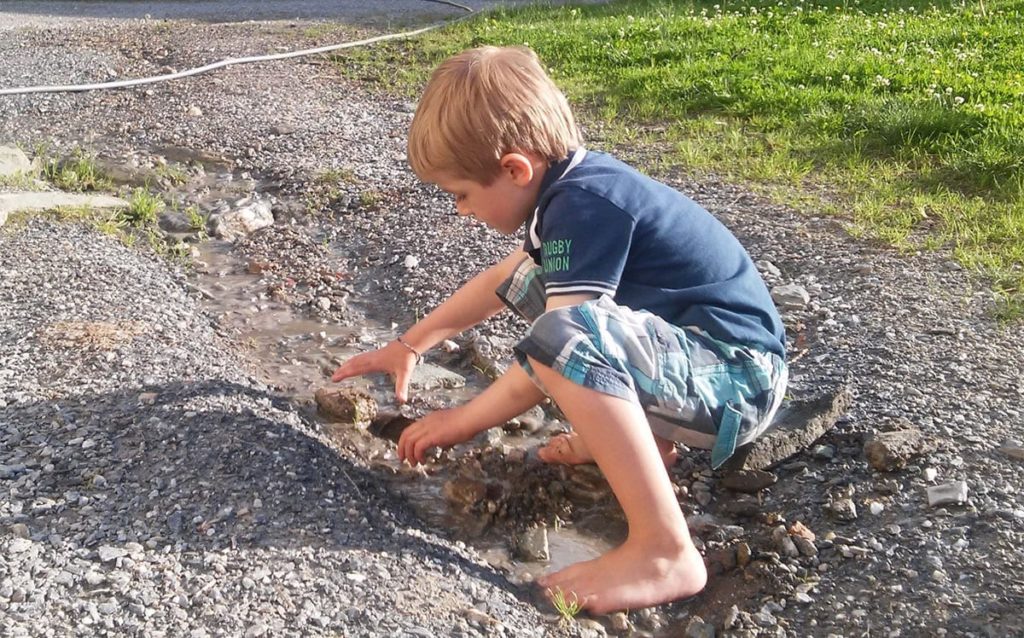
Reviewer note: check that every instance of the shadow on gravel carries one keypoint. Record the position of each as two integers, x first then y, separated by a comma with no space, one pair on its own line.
201,466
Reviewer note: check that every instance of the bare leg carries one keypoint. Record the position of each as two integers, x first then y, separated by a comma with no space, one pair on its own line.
569,449
658,562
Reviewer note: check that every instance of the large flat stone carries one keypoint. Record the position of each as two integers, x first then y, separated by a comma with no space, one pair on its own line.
34,202
428,376
797,425
13,161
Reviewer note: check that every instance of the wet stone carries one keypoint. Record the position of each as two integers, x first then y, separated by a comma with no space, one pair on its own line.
532,544
346,405
428,376
390,426
463,493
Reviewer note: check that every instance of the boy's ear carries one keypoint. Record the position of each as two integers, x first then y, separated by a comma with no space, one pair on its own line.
519,167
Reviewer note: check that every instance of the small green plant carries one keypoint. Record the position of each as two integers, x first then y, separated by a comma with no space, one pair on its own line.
369,199
172,174
567,609
143,208
24,181
196,219
76,173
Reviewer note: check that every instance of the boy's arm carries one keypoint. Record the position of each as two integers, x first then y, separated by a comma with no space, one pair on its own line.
468,306
510,395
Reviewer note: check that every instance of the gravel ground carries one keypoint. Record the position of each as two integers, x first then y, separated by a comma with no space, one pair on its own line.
134,504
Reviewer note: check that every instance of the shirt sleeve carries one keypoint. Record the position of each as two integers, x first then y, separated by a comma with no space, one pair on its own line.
585,240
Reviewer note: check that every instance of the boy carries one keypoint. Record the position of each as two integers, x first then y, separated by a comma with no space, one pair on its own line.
651,323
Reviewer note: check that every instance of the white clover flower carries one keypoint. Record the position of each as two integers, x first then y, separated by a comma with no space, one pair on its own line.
958,100
949,90
846,78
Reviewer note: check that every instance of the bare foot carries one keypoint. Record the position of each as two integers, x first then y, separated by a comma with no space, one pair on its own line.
631,576
569,449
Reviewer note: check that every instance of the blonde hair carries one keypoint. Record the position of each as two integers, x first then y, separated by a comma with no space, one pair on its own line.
483,103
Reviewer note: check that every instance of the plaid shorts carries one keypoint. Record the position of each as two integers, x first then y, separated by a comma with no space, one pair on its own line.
694,389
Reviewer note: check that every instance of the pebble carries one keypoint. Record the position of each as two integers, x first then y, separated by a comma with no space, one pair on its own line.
947,494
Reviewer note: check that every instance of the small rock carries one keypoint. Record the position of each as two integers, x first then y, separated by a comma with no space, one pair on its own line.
876,508
449,346
20,530
697,628
748,481
799,529
619,621
591,628
843,509
19,545
478,617
532,544
823,452
784,542
108,554
742,555
463,493
346,405
804,546
195,111
930,473
732,617
791,297
947,493
148,398
411,262
323,303
889,451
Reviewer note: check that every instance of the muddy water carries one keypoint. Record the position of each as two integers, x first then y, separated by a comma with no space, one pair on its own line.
296,355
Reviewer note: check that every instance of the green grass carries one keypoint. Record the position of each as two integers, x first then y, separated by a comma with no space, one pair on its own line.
907,118
76,173
143,208
566,608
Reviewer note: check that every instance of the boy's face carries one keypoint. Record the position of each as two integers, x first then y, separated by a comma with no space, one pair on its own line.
504,204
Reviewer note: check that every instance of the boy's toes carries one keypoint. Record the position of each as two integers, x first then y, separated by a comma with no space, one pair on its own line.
568,449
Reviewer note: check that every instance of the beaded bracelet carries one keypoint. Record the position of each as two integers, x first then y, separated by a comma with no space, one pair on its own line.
419,357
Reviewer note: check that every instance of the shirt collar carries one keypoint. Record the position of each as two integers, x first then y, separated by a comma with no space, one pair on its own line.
556,171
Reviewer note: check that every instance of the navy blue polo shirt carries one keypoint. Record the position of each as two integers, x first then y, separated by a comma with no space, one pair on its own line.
602,227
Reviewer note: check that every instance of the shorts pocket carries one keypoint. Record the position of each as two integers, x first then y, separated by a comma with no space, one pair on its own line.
728,431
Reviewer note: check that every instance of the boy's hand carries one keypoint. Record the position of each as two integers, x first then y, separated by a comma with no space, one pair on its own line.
438,429
394,358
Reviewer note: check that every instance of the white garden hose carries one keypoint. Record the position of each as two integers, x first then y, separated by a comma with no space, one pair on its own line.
232,61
